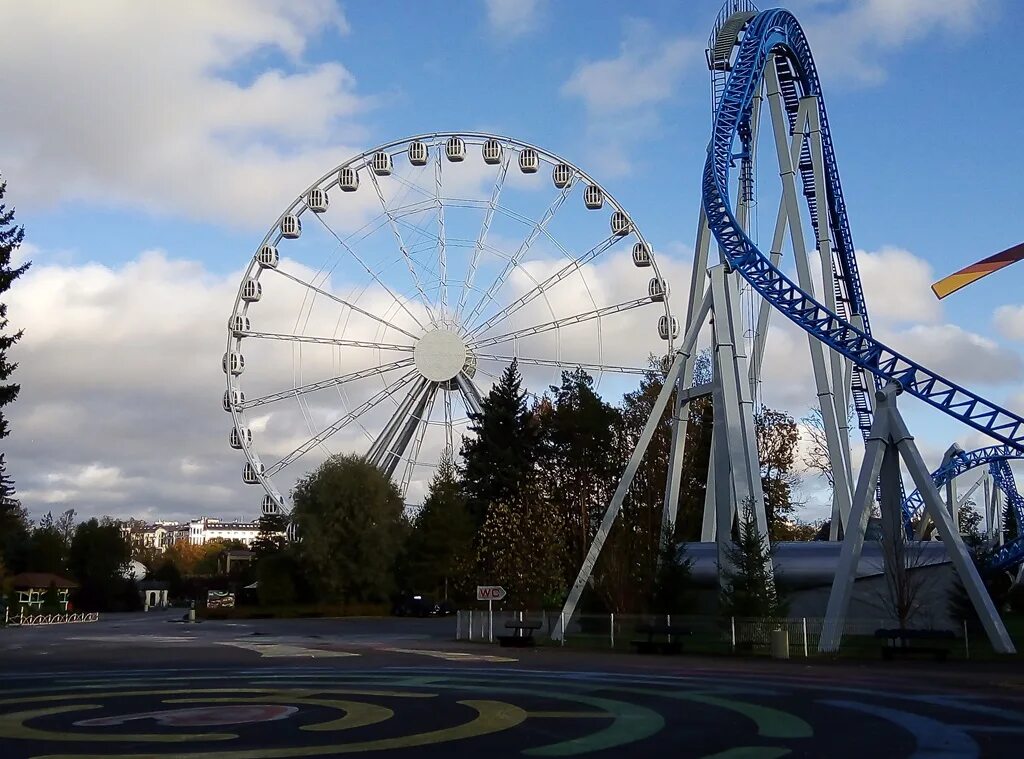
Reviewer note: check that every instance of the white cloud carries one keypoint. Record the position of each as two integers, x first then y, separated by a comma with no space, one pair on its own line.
897,286
851,38
509,19
622,94
959,355
135,104
645,72
1009,321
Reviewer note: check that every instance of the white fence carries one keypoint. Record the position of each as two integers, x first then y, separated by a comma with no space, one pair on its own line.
27,620
704,634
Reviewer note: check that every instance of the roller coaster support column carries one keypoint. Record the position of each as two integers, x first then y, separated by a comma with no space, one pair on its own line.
952,502
737,475
660,403
889,441
826,385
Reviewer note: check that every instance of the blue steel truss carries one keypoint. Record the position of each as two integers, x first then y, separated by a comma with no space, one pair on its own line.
1011,554
777,33
964,461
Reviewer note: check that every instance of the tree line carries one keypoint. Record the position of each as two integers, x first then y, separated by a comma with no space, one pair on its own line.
522,504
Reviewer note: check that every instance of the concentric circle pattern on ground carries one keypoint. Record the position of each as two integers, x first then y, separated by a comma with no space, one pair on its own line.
244,713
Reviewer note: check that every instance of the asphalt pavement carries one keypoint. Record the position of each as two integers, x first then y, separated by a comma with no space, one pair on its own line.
147,685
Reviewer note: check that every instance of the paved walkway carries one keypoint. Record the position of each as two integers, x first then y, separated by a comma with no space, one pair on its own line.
146,687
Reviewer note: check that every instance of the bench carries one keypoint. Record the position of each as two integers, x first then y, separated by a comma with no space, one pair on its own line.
522,634
899,642
661,639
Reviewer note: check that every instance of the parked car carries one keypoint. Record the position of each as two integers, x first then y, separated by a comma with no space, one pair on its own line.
419,605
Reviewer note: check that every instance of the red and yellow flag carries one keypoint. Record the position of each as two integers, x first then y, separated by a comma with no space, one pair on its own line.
974,272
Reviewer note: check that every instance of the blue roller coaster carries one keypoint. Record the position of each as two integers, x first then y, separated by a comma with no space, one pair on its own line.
774,38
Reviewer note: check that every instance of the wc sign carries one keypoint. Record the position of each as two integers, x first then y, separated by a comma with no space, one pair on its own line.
490,593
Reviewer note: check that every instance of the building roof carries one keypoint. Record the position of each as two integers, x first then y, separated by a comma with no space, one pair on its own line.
41,580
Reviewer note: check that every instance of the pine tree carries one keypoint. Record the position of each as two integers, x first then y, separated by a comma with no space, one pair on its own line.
14,524
749,588
581,462
503,449
442,535
270,539
11,237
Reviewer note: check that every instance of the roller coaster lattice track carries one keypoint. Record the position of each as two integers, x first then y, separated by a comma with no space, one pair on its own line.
776,33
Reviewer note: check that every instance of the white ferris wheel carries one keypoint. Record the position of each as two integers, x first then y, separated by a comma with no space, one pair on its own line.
388,297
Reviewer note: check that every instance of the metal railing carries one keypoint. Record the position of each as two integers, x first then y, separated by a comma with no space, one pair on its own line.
704,633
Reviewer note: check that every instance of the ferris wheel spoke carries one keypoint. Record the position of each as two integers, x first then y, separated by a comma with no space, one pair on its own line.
541,287
401,303
343,302
423,422
312,387
442,242
538,228
327,341
401,246
563,322
485,227
322,436
590,367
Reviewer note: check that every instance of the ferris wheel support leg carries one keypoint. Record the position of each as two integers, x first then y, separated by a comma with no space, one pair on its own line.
612,512
380,446
889,438
414,420
841,505
681,413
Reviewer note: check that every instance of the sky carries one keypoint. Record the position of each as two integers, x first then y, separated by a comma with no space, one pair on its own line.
149,148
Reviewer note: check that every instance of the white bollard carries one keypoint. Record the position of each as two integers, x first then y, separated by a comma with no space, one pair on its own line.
471,624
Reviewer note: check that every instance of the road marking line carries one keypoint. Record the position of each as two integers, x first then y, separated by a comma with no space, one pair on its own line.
450,655
280,650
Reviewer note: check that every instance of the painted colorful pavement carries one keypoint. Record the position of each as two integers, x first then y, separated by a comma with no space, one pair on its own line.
272,711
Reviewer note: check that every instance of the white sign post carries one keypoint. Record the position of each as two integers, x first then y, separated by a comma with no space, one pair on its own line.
490,594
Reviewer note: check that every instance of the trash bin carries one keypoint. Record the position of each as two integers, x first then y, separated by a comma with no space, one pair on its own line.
780,644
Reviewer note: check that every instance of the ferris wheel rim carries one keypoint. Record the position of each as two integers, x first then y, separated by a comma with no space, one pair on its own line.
329,181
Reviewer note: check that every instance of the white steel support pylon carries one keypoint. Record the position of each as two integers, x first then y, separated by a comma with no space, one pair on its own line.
829,376
738,472
833,374
888,442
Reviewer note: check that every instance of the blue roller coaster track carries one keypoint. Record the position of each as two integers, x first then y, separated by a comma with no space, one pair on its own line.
997,458
774,37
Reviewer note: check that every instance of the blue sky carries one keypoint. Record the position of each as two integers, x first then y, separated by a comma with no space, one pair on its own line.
148,152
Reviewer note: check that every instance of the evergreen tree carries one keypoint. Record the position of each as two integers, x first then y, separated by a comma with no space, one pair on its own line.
749,589
503,449
442,534
581,461
270,540
673,586
14,524
11,237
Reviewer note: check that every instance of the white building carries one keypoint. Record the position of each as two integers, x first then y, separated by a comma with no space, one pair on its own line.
161,535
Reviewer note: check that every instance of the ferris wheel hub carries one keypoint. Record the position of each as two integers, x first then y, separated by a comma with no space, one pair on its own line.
440,355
